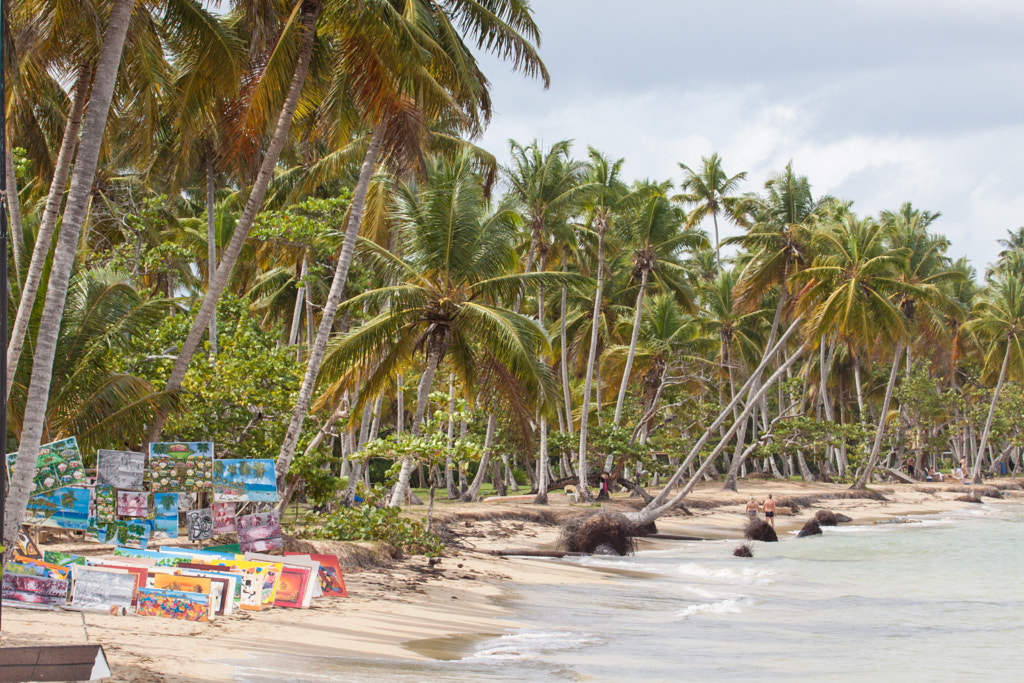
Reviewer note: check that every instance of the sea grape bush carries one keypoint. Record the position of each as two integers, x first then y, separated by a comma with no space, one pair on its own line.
370,523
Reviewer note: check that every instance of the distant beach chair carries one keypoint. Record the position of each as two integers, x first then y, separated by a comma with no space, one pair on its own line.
571,491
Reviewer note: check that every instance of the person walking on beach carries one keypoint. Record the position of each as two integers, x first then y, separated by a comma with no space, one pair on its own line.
769,510
752,509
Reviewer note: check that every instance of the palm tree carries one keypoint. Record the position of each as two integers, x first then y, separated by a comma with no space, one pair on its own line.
604,190
852,291
444,83
448,300
710,189
655,234
998,323
60,273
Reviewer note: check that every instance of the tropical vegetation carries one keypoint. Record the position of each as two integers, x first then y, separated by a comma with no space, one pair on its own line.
272,228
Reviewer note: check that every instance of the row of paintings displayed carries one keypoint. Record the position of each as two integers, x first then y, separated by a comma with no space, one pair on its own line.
93,511
173,468
177,583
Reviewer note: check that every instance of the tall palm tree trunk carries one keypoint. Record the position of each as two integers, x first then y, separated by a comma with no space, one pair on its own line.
862,482
588,384
60,272
211,243
991,413
44,236
14,212
316,354
219,281
566,394
718,248
473,492
542,480
434,349
300,294
632,348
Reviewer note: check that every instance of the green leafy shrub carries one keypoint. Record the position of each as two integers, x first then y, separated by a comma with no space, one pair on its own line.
370,523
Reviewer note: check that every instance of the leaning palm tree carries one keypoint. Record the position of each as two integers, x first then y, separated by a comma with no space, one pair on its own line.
998,324
710,189
455,285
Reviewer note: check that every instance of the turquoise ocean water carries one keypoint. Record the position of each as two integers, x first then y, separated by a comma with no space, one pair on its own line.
935,599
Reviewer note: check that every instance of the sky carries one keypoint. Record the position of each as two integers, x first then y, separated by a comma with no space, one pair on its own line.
879,102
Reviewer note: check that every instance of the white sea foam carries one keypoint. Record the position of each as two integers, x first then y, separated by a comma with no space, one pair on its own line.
712,608
749,575
528,645
708,594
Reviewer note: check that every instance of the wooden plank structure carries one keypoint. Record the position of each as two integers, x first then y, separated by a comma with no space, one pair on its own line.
54,663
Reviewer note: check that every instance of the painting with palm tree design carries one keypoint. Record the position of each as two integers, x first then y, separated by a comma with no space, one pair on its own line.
243,481
165,515
66,508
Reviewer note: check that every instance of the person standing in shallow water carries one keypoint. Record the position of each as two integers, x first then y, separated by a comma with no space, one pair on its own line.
752,509
769,510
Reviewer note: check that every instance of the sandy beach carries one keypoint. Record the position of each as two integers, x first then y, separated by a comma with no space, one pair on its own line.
417,608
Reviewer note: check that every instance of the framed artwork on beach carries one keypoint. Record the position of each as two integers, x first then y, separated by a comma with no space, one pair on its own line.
59,465
244,481
120,469
181,466
199,524
260,532
223,518
180,582
34,591
291,587
141,574
170,604
66,508
102,588
332,583
165,515
132,504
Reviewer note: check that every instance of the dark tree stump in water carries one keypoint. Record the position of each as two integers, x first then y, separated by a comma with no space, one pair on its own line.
760,530
811,528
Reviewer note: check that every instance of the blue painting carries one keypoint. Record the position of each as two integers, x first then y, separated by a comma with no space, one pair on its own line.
132,533
243,481
66,508
165,515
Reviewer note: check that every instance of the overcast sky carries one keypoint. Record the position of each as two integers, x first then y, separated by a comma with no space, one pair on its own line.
877,101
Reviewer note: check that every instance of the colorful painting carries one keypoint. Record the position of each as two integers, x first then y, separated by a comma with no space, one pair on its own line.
156,602
132,503
40,591
62,559
66,508
132,533
120,469
259,585
222,589
28,567
182,583
157,558
184,466
331,580
102,588
59,465
260,532
200,524
106,504
223,518
26,546
215,571
291,587
244,481
165,515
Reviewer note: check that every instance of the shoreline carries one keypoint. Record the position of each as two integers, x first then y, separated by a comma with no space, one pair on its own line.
413,609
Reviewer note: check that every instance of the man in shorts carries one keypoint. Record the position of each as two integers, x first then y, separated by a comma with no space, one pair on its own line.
752,509
769,510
